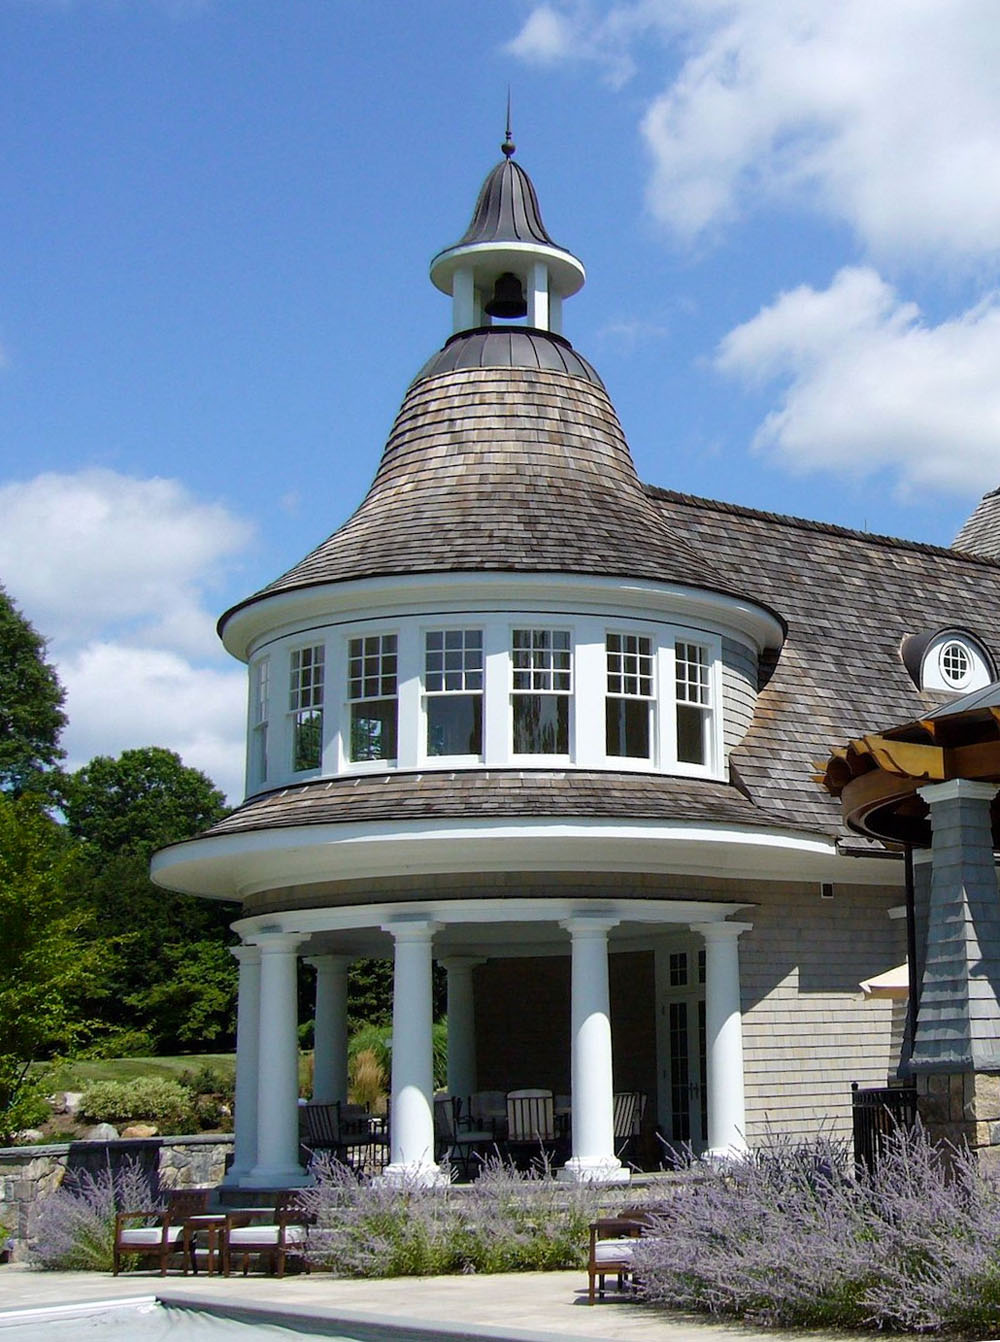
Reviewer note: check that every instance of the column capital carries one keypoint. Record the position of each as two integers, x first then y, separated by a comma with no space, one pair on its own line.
721,931
969,788
589,924
277,941
246,954
328,963
458,964
416,929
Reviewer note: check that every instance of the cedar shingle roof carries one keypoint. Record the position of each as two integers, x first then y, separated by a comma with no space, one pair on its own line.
980,533
512,469
849,599
496,793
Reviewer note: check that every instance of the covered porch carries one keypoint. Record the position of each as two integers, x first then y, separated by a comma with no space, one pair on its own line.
494,950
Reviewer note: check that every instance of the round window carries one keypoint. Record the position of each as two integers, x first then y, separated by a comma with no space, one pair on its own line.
955,663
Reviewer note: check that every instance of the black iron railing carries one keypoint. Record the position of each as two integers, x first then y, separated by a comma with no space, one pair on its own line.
878,1112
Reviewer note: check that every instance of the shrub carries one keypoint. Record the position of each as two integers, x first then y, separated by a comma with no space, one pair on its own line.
507,1221
75,1226
151,1099
25,1106
368,1079
788,1238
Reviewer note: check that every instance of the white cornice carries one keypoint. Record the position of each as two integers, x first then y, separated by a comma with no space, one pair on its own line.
275,614
234,866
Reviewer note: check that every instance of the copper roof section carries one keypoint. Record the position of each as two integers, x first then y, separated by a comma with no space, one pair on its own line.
877,776
509,347
507,210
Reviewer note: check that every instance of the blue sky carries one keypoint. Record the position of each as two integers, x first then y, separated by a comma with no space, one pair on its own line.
217,217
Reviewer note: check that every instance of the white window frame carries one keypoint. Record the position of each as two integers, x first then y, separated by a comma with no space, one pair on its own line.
258,762
533,626
381,764
932,671
302,699
673,635
649,635
464,628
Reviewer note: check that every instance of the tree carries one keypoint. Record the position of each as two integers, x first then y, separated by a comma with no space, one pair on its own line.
44,955
167,981
31,698
139,802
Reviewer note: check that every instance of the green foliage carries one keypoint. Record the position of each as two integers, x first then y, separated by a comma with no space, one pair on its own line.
369,992
377,1040
43,957
31,716
150,1099
75,1227
78,1073
139,802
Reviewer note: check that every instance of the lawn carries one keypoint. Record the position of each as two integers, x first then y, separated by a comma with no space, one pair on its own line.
78,1073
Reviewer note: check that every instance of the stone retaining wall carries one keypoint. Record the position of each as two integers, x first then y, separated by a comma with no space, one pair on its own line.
29,1173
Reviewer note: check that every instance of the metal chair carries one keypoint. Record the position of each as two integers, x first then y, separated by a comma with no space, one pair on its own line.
626,1107
531,1124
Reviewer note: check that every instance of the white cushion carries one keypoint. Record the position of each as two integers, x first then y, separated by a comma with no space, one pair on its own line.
149,1235
613,1250
266,1235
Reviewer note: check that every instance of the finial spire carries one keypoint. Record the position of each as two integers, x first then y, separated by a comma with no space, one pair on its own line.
508,145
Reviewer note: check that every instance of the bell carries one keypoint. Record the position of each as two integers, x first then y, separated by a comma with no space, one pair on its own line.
508,298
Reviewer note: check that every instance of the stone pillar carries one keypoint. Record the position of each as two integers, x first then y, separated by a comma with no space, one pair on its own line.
461,1025
593,1155
724,1038
411,1116
247,1061
278,1073
330,1032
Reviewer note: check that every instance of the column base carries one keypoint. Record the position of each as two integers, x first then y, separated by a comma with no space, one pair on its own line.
413,1174
721,1155
293,1177
594,1170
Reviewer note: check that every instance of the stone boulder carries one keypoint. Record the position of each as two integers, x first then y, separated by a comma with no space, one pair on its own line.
101,1132
141,1130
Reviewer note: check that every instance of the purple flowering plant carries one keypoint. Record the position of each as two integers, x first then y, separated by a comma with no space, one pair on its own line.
74,1227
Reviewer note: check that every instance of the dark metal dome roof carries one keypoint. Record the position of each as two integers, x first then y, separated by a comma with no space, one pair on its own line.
509,347
507,210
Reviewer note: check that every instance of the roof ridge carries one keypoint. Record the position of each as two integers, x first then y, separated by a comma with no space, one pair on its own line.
827,528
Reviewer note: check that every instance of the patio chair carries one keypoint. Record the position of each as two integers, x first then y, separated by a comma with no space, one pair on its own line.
453,1142
487,1111
531,1124
279,1236
626,1107
612,1242
162,1232
319,1127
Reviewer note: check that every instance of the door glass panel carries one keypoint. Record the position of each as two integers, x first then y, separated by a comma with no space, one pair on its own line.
680,1103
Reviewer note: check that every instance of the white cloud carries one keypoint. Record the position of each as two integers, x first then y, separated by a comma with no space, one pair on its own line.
546,37
116,572
869,385
884,115
94,550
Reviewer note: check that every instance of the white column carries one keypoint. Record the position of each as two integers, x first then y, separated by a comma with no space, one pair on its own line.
593,1155
278,1074
411,1116
463,300
727,1118
247,1059
330,1030
461,1025
538,296
555,313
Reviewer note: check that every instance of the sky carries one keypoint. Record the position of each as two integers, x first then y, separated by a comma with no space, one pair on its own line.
216,218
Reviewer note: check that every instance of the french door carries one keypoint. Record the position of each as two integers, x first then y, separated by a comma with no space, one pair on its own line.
682,1046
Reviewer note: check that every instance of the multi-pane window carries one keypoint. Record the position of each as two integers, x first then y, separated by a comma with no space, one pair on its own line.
542,683
693,702
305,707
372,678
628,707
260,694
453,685
955,663
678,969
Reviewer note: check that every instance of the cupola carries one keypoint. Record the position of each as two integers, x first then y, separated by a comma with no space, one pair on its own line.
505,265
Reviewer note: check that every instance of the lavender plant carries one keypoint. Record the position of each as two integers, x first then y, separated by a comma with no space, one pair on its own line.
789,1238
74,1228
508,1220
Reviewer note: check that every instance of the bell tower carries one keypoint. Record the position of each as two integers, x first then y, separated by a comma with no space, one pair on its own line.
505,266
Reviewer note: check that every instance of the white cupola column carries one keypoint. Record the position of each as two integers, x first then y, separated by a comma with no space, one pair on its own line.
724,1038
463,299
461,1025
411,1116
278,1072
247,1062
538,296
330,1029
593,1155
